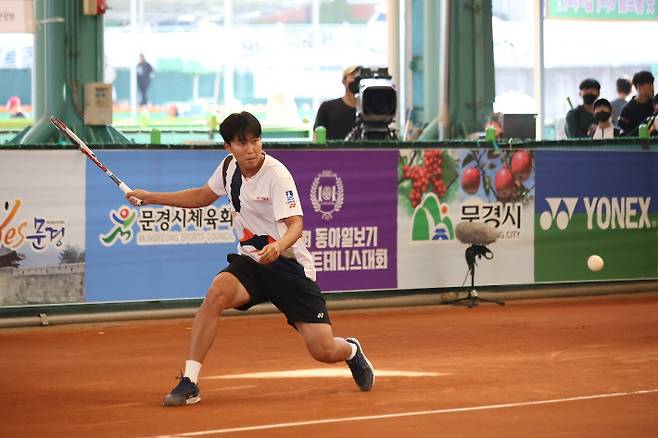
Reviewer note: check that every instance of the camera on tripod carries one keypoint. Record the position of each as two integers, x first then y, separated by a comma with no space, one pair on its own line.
376,105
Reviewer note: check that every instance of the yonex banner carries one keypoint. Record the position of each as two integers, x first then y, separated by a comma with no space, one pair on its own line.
438,188
597,202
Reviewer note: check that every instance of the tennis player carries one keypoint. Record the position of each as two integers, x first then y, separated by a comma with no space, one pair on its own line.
271,264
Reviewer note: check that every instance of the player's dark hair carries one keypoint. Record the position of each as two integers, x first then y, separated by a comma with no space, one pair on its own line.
624,86
642,77
239,126
589,83
602,102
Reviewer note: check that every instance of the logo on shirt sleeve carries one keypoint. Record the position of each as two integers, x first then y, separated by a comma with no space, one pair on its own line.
290,199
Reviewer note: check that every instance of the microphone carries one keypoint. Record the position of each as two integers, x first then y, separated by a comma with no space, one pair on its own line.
475,233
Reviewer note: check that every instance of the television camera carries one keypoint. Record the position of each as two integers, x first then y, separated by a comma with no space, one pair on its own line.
376,105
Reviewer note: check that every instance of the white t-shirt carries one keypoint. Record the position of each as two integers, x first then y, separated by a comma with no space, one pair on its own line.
608,132
262,202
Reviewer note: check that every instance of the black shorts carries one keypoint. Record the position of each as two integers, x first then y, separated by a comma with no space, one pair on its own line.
282,282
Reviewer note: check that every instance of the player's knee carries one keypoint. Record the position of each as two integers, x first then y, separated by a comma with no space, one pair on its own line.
218,297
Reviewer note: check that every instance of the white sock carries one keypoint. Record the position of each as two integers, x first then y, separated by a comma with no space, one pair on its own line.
353,353
192,369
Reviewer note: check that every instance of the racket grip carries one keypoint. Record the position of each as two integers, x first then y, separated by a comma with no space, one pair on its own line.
125,189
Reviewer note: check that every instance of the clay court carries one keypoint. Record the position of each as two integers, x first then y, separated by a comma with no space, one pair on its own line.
534,368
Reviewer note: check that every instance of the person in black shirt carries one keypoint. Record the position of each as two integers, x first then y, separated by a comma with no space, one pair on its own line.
640,106
580,120
652,122
144,74
338,116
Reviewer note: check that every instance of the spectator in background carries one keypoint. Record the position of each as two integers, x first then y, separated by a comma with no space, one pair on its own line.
281,109
144,74
640,106
652,122
15,108
624,87
580,120
602,115
172,111
338,116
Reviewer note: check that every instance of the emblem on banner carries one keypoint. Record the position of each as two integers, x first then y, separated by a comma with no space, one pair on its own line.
431,221
327,194
123,220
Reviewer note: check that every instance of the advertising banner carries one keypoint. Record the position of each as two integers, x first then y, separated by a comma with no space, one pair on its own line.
154,252
596,203
621,10
437,189
349,202
373,220
42,218
16,16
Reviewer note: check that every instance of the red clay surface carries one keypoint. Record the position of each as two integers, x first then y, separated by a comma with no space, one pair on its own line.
109,379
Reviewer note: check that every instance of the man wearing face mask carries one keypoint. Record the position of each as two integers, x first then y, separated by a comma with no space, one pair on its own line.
581,118
604,127
338,116
640,106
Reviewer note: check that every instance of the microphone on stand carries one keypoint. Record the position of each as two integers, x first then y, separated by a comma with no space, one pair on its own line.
477,235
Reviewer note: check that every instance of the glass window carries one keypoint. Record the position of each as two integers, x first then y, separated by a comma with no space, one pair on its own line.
577,45
269,57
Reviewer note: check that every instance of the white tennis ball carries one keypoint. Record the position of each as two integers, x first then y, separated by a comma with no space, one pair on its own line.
595,263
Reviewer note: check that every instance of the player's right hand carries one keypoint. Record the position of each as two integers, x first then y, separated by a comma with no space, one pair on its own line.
138,195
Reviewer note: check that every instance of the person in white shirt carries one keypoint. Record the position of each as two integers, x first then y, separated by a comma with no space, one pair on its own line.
602,115
271,264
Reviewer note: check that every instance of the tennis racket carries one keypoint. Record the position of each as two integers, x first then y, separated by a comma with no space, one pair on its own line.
61,126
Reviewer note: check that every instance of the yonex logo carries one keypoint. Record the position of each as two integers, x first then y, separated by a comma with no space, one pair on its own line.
603,213
561,218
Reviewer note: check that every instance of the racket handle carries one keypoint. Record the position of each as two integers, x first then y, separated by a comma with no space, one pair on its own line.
125,189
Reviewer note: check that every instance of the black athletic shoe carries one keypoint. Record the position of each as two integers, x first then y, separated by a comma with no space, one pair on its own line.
185,393
362,370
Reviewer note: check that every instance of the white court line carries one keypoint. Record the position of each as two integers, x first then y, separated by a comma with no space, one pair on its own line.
409,414
323,372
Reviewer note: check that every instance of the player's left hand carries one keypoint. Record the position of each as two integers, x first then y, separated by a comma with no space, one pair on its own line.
269,253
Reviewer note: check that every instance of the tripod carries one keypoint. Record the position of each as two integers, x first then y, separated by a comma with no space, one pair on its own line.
363,131
472,299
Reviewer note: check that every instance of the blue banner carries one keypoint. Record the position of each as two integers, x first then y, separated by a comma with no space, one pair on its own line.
596,203
611,174
153,252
